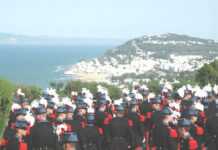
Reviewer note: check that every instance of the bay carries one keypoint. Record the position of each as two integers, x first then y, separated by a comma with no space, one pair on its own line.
41,64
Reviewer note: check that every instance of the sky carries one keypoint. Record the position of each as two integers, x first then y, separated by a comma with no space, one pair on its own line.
123,19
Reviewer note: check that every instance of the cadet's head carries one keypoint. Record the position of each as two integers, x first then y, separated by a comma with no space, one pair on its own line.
21,126
25,103
166,114
102,105
69,114
183,127
20,114
120,110
177,97
50,107
191,114
82,108
155,103
61,113
134,105
40,113
70,140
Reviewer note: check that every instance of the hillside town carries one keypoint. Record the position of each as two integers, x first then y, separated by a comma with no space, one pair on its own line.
134,57
138,65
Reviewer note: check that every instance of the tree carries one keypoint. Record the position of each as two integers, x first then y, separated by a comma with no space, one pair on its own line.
6,93
31,92
154,86
208,74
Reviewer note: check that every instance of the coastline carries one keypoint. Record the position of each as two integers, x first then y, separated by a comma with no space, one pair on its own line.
87,76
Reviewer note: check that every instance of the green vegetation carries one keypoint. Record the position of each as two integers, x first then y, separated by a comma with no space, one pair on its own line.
6,92
65,88
208,74
31,92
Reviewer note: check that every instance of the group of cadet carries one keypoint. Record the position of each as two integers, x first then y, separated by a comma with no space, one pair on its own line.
185,119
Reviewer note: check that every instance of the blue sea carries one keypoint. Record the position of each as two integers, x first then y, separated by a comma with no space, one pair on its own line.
39,65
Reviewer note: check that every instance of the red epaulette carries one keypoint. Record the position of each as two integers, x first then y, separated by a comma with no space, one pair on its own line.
130,123
52,116
199,130
109,116
23,146
202,115
100,130
149,115
193,144
106,121
28,130
173,133
141,118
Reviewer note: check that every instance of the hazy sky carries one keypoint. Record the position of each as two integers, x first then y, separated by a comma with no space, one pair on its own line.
109,18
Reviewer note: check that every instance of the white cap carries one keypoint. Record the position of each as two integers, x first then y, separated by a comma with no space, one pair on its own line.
201,93
199,106
15,106
19,92
151,95
181,92
215,89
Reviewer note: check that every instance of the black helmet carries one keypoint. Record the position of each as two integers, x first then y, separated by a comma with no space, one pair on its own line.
40,110
70,137
21,124
51,104
166,111
120,108
184,123
20,112
156,100
61,109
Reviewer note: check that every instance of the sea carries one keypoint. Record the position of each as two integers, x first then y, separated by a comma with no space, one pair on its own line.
41,64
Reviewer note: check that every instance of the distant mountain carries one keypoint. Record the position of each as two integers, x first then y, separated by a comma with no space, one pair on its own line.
6,38
154,56
162,46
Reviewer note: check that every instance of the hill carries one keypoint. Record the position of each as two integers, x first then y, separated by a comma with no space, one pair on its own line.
166,56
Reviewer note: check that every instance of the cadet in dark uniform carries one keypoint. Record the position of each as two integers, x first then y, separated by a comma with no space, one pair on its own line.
73,123
138,122
196,130
212,126
42,135
165,137
119,133
155,118
101,115
10,129
80,113
51,114
90,137
19,141
186,141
